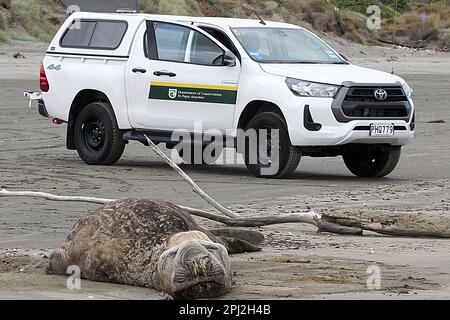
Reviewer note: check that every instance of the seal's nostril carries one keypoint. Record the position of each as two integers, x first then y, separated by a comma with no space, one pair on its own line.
208,264
201,266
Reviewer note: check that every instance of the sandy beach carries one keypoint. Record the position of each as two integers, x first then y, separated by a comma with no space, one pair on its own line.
296,262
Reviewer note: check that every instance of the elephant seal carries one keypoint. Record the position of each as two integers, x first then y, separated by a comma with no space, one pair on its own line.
151,244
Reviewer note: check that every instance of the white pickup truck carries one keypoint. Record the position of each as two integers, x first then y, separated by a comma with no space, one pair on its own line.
114,78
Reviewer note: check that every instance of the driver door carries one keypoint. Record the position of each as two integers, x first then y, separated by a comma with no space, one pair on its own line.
179,79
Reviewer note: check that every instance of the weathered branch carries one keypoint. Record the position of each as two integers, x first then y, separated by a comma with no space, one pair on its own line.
195,187
53,197
410,46
235,220
311,218
342,221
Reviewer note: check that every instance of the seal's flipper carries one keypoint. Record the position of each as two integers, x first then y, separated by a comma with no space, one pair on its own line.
251,236
235,245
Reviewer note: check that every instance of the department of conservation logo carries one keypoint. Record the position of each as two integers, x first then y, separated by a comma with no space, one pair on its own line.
173,93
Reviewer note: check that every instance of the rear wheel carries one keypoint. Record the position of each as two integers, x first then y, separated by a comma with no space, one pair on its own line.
372,161
98,139
269,154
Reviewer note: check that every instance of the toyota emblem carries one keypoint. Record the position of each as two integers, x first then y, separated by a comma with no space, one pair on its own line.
381,94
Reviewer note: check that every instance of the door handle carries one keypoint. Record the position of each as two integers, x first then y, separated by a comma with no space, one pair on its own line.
139,70
164,73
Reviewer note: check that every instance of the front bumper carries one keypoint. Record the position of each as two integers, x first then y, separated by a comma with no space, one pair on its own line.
319,126
356,132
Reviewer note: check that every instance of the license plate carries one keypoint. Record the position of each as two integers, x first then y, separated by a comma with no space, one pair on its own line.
382,130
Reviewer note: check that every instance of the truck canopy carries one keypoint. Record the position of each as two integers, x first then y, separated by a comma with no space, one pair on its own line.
106,6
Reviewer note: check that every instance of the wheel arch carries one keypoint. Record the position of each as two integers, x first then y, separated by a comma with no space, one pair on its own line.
255,107
81,100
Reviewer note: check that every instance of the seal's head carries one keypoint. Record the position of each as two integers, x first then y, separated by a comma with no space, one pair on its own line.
193,266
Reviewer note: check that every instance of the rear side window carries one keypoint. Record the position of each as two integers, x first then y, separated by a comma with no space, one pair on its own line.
171,41
91,34
79,34
178,43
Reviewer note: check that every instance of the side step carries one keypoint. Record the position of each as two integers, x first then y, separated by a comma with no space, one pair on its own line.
169,138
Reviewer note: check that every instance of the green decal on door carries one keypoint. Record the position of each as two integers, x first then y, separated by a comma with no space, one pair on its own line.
193,93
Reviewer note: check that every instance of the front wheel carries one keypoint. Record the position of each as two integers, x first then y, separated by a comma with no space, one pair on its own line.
98,139
267,148
372,161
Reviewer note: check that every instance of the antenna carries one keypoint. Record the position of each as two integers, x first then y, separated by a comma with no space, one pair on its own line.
259,17
395,30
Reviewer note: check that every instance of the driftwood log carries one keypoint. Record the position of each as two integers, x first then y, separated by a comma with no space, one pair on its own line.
341,221
349,221
420,44
434,224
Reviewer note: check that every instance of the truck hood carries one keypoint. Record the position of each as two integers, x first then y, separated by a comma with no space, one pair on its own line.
335,74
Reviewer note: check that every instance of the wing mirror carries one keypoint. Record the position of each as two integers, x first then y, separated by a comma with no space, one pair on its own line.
229,59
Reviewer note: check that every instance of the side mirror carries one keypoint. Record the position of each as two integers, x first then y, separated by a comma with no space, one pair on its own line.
343,56
229,59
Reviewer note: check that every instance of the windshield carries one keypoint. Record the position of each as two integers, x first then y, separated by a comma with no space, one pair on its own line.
284,45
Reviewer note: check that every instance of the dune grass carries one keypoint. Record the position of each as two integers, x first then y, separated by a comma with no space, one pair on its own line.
319,15
4,38
423,23
40,19
37,17
417,21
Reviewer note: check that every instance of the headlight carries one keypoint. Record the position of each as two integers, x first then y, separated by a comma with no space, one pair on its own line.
311,89
408,90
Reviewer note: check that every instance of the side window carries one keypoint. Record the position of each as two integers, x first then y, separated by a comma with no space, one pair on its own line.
108,35
171,41
182,44
78,35
222,38
204,51
95,34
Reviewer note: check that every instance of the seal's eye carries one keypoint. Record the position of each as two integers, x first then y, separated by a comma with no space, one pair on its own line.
171,254
210,247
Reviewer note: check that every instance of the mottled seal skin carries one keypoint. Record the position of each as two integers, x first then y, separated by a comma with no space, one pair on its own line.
146,243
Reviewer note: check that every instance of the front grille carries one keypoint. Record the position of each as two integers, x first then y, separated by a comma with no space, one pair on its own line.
367,94
361,103
376,112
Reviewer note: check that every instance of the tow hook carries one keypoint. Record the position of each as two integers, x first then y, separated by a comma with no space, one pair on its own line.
57,121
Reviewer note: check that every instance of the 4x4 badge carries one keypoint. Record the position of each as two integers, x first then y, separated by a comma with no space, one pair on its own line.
381,94
173,93
53,67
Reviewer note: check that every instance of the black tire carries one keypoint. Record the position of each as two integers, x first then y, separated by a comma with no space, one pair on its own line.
98,139
288,157
192,159
373,161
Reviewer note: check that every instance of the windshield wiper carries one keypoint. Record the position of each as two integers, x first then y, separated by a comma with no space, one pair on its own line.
295,62
302,62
